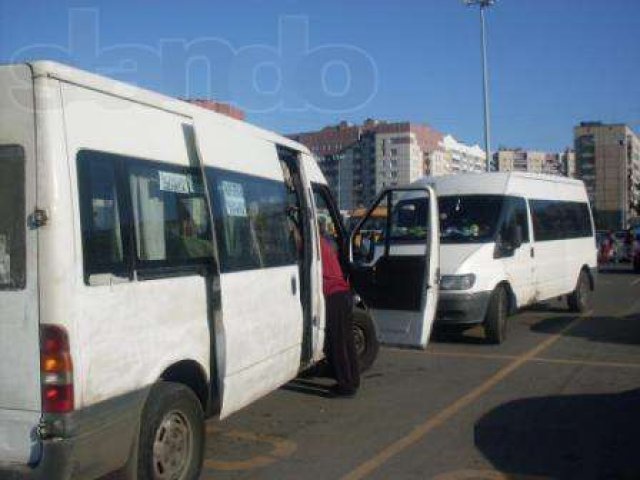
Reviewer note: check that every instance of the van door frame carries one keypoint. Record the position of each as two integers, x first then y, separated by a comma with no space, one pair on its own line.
292,159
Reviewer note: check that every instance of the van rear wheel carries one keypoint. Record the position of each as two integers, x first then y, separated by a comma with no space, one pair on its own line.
495,323
171,434
580,299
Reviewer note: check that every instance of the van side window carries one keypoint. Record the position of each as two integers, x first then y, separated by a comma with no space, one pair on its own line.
252,224
100,215
327,225
12,218
170,214
516,212
558,220
141,214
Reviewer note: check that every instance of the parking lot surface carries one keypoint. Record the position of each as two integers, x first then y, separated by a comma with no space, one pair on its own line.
559,399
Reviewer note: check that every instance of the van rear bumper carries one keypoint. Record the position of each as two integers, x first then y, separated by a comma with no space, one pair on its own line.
462,308
87,443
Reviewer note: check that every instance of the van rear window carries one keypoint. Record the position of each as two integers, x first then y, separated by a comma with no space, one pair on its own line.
12,218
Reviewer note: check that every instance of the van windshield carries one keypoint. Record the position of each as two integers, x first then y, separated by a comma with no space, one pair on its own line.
12,218
469,218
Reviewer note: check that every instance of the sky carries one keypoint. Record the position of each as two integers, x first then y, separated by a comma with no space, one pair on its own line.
298,65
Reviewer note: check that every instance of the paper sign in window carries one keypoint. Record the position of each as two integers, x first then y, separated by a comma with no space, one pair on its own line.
234,201
175,182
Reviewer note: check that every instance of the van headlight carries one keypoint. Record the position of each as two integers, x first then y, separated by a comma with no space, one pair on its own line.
457,282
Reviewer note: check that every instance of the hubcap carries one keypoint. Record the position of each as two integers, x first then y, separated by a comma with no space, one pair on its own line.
359,340
172,447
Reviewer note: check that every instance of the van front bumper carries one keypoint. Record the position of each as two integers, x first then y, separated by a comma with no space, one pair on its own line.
462,308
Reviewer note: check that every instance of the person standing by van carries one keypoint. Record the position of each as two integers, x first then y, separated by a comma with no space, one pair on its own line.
340,345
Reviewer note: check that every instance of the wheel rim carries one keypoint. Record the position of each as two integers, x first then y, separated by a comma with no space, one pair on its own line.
172,447
359,340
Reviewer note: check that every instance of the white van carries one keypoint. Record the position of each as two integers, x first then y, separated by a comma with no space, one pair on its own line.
509,240
159,263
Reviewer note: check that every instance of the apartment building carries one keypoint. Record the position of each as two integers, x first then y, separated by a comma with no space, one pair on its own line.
608,161
361,160
520,160
568,163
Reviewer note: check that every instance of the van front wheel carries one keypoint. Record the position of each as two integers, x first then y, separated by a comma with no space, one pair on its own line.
495,323
365,340
171,434
579,299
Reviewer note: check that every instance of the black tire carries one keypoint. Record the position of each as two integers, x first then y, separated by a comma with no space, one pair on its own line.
365,338
495,322
636,265
172,421
579,300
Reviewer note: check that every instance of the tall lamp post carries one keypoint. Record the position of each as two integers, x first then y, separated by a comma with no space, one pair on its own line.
483,4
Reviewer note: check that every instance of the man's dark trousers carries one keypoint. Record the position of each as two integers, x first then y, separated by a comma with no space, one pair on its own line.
341,349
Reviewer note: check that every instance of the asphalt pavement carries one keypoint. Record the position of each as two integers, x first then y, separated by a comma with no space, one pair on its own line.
559,399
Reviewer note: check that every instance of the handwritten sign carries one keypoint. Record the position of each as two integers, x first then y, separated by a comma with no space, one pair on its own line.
234,201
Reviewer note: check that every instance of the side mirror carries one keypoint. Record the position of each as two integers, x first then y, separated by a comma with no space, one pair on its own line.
516,236
363,246
509,240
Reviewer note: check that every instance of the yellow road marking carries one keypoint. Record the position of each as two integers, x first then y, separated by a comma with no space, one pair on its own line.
423,429
282,448
489,356
586,363
567,361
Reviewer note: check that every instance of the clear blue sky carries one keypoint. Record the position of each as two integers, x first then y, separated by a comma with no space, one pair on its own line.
553,62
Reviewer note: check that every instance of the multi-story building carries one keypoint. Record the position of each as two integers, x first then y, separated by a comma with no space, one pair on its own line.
453,156
520,160
568,162
360,160
608,161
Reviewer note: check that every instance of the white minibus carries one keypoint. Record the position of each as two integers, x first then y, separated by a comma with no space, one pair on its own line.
508,240
159,264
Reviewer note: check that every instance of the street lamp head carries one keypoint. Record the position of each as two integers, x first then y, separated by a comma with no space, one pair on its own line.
481,3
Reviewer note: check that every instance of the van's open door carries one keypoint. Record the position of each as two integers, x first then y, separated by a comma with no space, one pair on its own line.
395,264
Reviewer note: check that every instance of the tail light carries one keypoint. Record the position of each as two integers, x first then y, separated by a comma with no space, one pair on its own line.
56,370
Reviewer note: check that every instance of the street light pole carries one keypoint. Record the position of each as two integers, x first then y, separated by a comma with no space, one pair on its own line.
485,76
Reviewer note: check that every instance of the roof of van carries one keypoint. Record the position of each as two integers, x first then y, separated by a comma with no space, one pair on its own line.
65,73
498,183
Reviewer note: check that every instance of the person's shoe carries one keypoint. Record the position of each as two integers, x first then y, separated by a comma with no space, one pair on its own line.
340,391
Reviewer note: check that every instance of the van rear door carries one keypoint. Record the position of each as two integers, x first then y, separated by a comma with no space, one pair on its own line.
395,264
20,405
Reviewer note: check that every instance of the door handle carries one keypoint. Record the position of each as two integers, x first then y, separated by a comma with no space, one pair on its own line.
532,252
294,286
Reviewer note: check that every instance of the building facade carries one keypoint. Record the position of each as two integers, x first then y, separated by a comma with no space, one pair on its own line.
223,108
520,160
360,160
608,161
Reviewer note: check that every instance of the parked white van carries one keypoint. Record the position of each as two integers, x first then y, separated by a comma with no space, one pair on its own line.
509,240
159,263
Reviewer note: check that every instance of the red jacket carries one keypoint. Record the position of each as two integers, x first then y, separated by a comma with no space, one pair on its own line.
333,280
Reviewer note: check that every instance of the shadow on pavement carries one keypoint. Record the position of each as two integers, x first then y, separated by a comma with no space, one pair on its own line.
448,334
573,436
619,330
308,387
